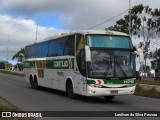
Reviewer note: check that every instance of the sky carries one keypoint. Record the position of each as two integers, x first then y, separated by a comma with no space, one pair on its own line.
19,18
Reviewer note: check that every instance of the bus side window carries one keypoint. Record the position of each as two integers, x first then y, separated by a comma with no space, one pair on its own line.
82,63
44,52
69,45
27,52
52,48
60,46
80,54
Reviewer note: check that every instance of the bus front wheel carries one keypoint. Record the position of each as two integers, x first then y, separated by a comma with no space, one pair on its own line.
69,90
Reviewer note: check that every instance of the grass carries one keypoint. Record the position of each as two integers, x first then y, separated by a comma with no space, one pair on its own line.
153,93
7,107
150,82
12,72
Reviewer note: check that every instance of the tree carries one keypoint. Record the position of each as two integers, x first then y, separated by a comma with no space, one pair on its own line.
19,66
145,23
19,55
155,63
144,72
2,64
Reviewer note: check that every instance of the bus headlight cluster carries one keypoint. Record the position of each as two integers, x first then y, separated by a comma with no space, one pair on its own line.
95,85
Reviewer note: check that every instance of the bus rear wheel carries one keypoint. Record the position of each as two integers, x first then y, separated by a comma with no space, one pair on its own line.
109,98
32,82
35,83
69,90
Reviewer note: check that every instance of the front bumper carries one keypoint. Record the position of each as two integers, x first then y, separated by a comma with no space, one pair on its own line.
92,91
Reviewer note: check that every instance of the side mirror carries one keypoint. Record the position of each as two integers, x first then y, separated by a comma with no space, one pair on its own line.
88,53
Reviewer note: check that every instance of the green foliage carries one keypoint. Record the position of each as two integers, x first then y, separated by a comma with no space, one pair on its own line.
19,55
12,73
147,93
2,64
20,66
155,63
145,22
4,106
148,82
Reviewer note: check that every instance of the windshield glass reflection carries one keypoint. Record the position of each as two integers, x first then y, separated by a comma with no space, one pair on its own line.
111,63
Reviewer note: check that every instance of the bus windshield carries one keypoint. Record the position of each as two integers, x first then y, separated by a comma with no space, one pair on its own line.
111,64
111,57
105,41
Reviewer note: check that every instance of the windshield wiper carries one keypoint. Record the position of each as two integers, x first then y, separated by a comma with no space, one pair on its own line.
110,67
121,68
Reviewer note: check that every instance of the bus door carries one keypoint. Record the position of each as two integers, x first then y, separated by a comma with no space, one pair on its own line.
80,73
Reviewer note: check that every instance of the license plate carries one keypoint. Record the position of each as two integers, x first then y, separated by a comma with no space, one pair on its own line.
114,91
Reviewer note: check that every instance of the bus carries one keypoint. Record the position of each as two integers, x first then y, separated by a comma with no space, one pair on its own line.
86,62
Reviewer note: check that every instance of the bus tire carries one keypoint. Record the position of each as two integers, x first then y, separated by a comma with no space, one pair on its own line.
35,83
69,89
31,82
109,98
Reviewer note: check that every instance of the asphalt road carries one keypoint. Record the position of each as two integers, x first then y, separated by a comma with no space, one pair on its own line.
16,91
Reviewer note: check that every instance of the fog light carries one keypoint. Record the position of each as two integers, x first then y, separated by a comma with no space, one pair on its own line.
92,91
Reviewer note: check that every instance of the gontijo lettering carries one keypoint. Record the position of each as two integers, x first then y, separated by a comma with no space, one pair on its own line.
62,64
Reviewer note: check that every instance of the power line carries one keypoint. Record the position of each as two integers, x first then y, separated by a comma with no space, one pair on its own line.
109,19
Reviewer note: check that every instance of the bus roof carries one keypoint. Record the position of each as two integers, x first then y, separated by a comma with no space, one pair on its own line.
85,32
101,32
108,32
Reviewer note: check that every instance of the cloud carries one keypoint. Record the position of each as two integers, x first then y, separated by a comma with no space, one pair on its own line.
74,14
71,14
17,33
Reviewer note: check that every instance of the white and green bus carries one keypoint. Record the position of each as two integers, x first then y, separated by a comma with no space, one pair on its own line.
87,62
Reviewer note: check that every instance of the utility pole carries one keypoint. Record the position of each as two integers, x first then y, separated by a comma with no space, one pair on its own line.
130,34
36,29
36,26
6,64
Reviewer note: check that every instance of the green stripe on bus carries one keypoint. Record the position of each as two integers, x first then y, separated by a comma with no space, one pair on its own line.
52,64
128,81
29,64
91,82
